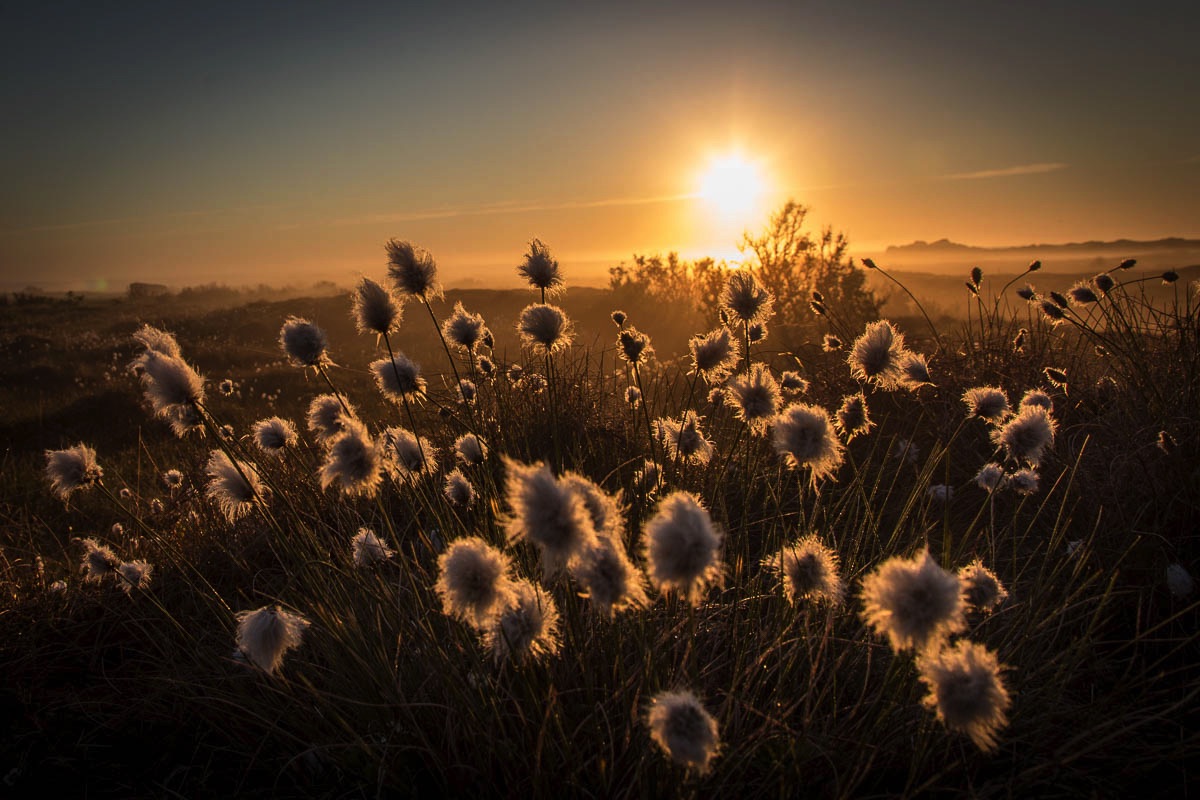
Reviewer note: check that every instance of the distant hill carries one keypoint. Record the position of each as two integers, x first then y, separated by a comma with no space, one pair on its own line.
944,255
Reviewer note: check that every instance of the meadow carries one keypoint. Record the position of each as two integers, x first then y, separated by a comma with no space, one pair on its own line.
383,544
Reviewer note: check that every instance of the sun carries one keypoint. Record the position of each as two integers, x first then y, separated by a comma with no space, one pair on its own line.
733,185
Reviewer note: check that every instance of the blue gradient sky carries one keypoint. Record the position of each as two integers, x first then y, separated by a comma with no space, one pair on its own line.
193,142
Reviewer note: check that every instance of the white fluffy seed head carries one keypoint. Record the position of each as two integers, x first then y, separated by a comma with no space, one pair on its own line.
1026,436
376,310
913,602
682,547
803,435
354,462
275,435
684,439
72,469
399,378
545,328
714,355
304,343
981,589
809,571
368,548
746,299
989,403
458,489
265,635
473,581
327,418
235,488
876,355
462,328
99,561
966,691
756,397
547,513
683,728
526,629
413,270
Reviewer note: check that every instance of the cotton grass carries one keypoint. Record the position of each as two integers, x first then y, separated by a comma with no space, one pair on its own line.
545,328
375,309
526,630
714,355
458,490
803,435
368,549
398,378
234,486
473,581
746,299
328,416
413,270
683,728
304,343
265,635
684,439
966,691
1027,435
876,356
682,548
989,403
913,602
274,435
809,571
72,470
981,590
756,397
354,462
547,513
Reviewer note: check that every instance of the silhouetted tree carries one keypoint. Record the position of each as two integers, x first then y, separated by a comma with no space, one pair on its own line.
793,264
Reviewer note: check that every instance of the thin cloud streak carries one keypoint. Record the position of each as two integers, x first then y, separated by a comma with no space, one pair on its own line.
1008,172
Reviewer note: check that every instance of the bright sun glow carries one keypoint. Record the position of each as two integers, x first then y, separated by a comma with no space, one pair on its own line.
733,185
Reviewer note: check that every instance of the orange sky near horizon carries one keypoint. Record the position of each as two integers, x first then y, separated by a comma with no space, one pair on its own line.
242,145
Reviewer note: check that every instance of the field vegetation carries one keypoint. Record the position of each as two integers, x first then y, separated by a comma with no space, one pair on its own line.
739,536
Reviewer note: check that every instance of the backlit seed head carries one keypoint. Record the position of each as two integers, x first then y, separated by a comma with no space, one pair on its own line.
966,691
913,602
412,270
686,732
304,343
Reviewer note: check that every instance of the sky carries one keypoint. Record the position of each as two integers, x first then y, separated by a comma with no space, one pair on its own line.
245,143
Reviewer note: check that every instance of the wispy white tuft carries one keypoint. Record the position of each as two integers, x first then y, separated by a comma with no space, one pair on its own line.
473,581
876,355
354,462
526,629
966,691
804,436
368,548
809,571
275,434
913,602
264,636
547,513
682,547
685,731
988,403
412,270
235,488
72,470
304,343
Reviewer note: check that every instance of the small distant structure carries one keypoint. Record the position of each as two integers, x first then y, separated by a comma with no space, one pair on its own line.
140,290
